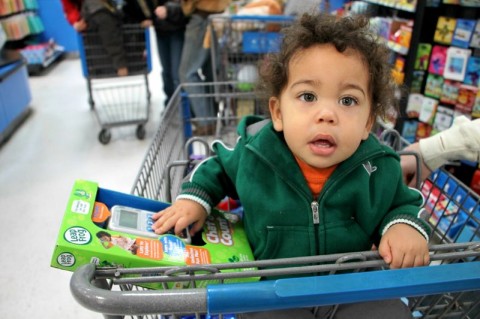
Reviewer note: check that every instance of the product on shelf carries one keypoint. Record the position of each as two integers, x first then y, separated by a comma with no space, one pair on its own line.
456,64
472,74
423,56
444,30
434,86
463,32
438,59
414,105
476,106
475,41
443,118
466,99
427,112
417,81
450,92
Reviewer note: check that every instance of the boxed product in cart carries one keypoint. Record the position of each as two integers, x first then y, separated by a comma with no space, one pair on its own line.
88,234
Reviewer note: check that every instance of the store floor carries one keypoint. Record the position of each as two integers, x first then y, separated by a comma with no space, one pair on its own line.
55,146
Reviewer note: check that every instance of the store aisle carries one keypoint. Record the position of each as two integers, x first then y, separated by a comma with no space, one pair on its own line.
38,166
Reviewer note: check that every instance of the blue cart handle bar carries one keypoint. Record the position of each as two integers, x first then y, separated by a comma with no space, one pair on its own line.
342,288
266,18
277,294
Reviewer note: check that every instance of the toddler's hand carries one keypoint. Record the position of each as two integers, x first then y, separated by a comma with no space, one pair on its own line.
180,215
403,246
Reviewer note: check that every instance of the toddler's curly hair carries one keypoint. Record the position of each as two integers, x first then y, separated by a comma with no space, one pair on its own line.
353,33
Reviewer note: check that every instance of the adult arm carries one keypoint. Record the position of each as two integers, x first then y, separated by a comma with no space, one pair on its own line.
460,142
71,8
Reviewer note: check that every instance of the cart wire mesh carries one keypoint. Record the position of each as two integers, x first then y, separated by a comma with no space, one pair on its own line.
240,42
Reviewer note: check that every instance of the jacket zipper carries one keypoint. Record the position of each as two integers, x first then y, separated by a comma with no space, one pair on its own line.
315,214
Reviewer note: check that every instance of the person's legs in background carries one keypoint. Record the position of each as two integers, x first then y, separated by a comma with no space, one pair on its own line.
195,57
170,47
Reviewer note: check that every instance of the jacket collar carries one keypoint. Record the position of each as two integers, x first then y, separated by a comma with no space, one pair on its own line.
259,132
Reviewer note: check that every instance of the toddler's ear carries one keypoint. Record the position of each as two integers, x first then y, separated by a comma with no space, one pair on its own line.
275,113
368,127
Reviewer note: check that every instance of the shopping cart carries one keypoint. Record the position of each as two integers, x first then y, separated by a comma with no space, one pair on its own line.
118,101
449,288
174,147
240,42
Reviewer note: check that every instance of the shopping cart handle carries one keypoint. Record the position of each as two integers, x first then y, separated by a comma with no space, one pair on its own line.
274,18
142,302
342,288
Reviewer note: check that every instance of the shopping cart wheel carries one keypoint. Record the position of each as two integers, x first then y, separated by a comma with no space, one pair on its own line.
105,136
141,132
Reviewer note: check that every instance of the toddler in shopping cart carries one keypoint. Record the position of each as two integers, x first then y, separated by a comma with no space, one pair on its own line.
103,17
312,179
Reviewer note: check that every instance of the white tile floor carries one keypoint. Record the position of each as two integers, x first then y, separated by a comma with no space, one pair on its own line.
38,166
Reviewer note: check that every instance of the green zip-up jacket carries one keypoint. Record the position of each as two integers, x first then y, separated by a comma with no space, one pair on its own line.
363,197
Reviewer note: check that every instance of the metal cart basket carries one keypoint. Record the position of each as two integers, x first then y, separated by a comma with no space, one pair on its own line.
240,42
118,101
449,288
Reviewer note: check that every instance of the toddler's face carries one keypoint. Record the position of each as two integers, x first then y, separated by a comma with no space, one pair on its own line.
324,110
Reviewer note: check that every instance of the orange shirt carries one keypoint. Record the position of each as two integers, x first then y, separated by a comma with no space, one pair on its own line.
316,177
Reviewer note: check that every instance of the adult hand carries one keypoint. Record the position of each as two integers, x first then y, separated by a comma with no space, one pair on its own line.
146,23
161,12
409,166
80,25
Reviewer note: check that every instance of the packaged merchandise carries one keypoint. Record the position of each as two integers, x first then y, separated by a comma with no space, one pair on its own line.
443,118
86,237
434,86
450,92
438,59
472,74
463,32
456,63
475,41
423,56
444,30
428,110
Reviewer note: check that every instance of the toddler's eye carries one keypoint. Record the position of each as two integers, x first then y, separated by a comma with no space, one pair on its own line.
348,101
308,97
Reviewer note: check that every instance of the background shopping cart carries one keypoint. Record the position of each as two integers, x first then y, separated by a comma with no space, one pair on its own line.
450,288
118,101
239,42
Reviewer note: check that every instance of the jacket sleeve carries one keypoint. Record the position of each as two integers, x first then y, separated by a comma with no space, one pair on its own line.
461,141
212,179
71,8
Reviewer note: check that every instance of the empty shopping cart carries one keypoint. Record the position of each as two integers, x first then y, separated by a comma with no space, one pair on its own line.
118,101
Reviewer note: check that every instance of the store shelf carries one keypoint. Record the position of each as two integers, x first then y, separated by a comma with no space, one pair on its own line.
395,4
40,68
15,97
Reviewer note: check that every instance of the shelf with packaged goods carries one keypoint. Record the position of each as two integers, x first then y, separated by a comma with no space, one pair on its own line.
23,30
400,25
396,4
